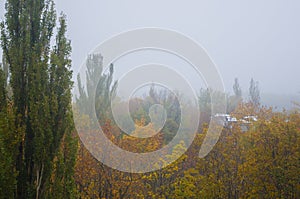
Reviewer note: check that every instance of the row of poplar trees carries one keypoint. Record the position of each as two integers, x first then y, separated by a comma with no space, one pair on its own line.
37,147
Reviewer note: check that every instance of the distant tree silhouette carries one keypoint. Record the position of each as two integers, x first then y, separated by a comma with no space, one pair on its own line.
254,93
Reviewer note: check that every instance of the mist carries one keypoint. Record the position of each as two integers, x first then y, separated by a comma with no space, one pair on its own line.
252,39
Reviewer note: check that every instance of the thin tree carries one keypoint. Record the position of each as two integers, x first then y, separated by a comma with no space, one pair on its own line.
237,89
254,93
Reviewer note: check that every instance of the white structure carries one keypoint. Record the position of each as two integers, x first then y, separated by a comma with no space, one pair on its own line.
227,120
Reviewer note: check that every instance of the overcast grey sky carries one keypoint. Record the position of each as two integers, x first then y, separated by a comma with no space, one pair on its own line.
259,39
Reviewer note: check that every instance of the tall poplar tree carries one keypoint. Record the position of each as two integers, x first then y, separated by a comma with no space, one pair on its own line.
236,88
100,82
7,143
41,85
254,93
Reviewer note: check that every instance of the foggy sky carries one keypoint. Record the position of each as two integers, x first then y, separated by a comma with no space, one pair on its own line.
259,39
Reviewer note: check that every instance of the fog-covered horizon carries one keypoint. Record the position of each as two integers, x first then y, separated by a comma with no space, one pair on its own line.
249,39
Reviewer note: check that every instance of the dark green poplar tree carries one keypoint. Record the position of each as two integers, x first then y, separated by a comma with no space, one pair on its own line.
8,143
64,145
40,79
